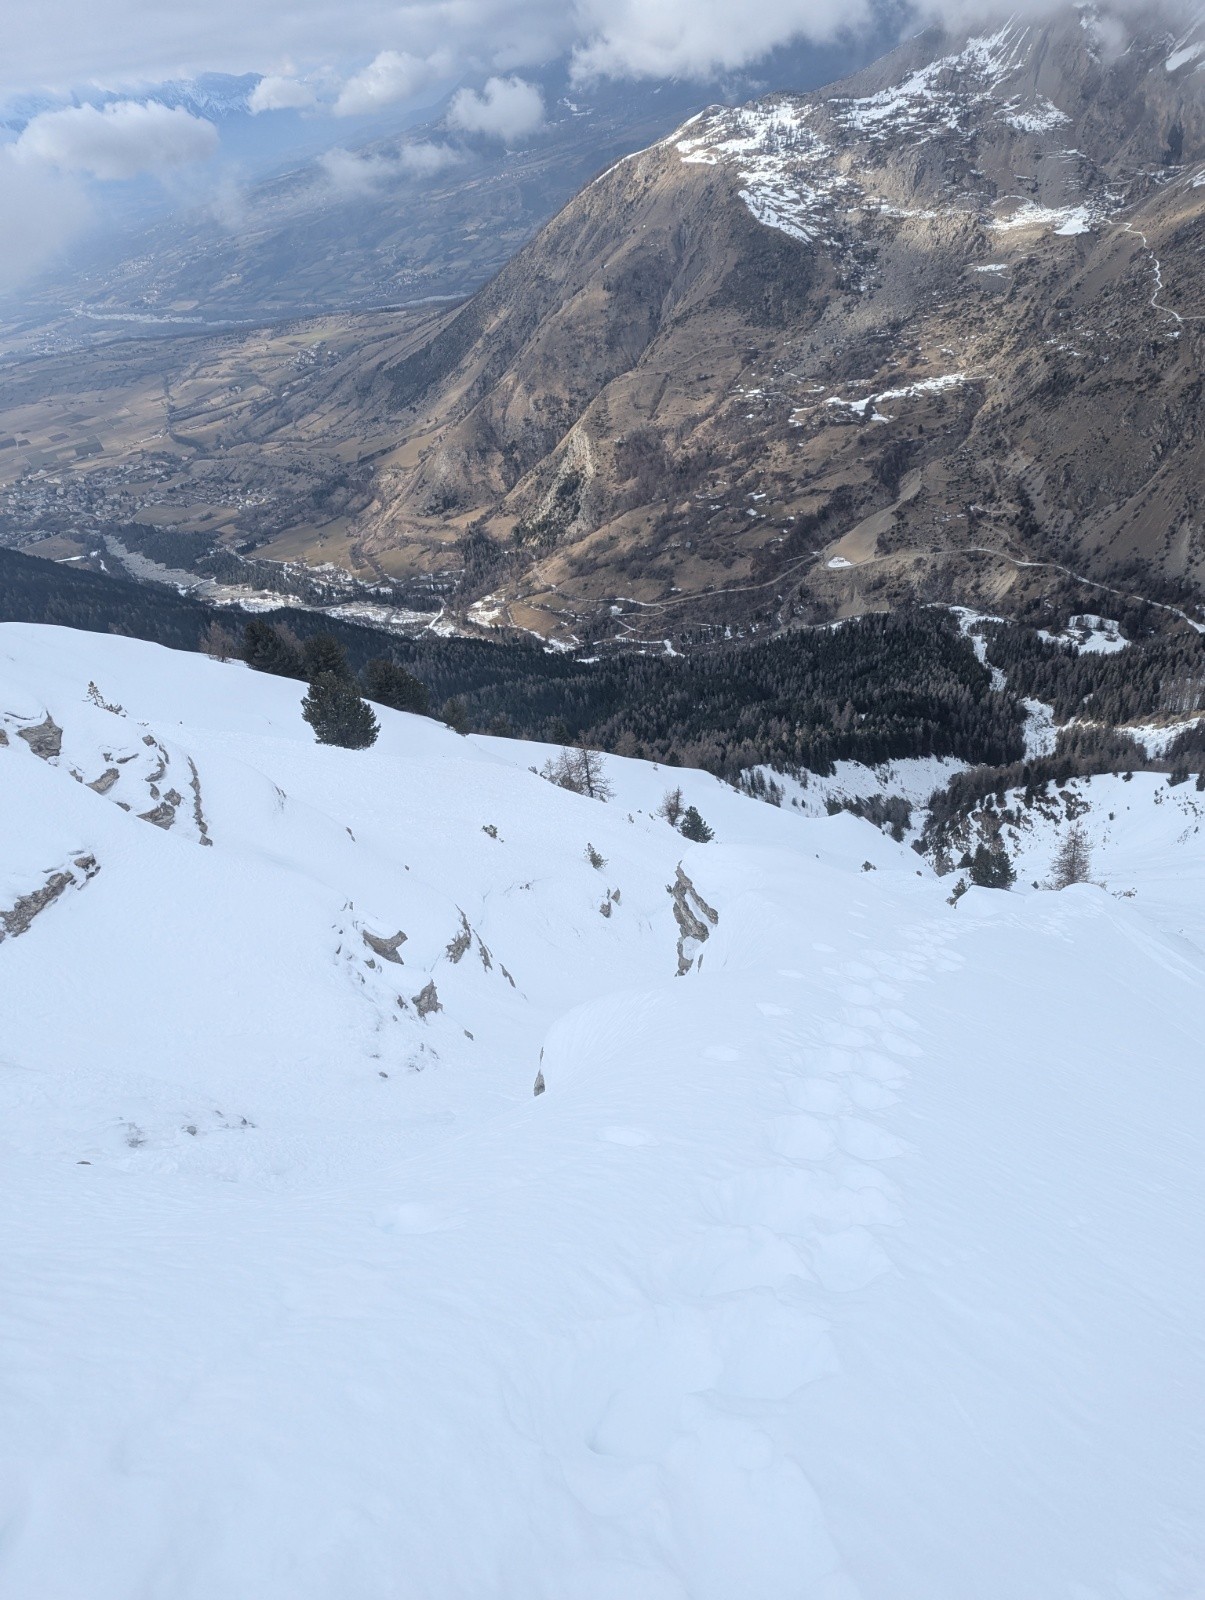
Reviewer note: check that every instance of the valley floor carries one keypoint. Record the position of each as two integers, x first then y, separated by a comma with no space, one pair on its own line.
862,1260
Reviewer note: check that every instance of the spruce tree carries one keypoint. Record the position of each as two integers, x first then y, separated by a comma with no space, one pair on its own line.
694,828
991,869
269,647
391,685
324,654
336,713
456,714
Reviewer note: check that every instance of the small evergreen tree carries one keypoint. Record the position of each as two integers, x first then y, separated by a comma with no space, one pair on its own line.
694,828
991,868
336,713
269,647
456,714
390,685
324,654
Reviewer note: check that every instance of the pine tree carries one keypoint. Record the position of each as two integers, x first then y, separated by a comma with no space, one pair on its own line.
336,713
272,648
390,685
991,868
694,828
324,654
456,714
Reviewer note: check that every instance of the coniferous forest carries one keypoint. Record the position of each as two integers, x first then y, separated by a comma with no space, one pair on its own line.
876,688
871,689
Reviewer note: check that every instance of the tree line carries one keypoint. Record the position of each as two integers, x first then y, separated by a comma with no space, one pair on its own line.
871,689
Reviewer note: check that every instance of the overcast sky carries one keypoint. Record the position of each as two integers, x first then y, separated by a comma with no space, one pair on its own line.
334,60
61,43
341,60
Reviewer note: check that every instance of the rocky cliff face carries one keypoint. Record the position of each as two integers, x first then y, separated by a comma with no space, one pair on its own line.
908,335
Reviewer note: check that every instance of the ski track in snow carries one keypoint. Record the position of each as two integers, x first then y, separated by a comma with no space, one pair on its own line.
859,1262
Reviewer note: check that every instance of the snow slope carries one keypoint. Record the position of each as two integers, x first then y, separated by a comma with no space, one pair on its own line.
862,1260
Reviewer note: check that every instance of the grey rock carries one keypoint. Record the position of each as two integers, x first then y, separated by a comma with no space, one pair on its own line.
387,949
45,739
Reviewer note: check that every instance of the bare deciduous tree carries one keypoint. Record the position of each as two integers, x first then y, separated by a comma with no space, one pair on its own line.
672,807
581,770
219,643
1074,860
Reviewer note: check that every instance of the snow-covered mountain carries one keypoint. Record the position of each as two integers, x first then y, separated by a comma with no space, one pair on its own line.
859,1258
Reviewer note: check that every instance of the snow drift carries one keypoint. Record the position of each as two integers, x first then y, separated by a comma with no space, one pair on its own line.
862,1259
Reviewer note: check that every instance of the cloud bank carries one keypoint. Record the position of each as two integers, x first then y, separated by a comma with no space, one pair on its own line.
698,38
280,92
41,212
507,109
389,77
348,175
61,43
119,140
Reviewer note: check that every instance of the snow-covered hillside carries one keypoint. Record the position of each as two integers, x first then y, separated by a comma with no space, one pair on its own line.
862,1259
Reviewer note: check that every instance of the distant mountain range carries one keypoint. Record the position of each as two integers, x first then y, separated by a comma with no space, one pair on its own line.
214,94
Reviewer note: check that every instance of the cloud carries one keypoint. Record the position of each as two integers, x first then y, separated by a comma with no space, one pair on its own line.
697,38
422,160
41,212
410,46
119,140
507,108
348,175
392,75
280,92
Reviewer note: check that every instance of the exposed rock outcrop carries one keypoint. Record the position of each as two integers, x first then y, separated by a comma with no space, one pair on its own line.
426,1000
20,915
387,949
45,738
695,919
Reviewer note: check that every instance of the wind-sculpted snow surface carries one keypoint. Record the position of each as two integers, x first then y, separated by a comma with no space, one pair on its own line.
860,1260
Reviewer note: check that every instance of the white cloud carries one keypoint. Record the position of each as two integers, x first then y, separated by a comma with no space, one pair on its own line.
119,140
348,174
391,76
507,108
695,38
60,43
280,92
40,212
422,160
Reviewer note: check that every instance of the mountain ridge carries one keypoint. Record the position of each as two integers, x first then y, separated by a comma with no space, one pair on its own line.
925,231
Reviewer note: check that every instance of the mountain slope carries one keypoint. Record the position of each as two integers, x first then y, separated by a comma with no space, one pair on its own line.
858,1261
925,324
